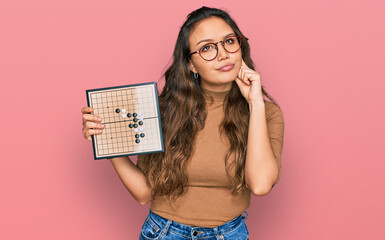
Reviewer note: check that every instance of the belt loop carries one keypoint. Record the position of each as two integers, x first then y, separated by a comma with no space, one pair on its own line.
165,229
247,215
216,232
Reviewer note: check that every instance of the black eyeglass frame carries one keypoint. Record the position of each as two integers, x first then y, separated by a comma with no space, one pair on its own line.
216,47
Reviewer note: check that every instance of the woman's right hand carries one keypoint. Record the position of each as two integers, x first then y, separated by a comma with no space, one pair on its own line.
91,123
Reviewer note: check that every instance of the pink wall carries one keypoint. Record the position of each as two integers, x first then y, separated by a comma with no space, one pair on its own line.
323,61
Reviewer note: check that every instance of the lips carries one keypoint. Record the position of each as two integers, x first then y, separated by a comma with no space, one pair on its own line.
226,67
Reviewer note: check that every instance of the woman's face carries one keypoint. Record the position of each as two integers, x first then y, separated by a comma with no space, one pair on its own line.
212,30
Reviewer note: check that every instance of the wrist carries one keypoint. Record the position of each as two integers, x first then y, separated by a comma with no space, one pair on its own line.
256,105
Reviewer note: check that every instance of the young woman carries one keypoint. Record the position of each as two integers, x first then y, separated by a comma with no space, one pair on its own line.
223,141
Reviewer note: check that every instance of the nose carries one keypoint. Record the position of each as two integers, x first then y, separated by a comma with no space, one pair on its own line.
222,53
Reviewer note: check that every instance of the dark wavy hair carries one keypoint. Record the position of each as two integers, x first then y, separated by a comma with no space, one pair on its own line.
183,114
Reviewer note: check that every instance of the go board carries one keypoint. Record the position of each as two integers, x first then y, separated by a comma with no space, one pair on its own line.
131,118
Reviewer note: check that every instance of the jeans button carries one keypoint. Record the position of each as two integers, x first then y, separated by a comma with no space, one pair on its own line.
195,233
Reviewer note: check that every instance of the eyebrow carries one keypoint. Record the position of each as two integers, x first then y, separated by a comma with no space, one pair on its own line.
208,40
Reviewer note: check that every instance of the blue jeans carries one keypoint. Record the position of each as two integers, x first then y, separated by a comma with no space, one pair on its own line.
156,227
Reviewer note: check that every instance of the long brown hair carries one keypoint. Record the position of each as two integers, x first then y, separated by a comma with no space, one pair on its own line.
183,114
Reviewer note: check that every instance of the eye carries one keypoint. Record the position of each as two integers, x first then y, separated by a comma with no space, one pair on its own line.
230,40
206,48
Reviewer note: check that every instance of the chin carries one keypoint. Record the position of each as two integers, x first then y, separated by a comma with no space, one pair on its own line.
225,80
231,75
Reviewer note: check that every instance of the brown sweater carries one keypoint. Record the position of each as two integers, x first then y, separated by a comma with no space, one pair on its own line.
208,201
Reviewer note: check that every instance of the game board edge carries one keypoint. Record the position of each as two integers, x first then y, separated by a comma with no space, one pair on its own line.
159,118
122,86
92,136
130,154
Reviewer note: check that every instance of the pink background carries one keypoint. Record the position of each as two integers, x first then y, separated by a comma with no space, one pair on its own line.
322,60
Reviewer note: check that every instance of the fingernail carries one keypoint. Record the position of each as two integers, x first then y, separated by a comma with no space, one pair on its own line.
102,126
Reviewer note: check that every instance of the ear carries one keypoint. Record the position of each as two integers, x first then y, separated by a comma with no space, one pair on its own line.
192,68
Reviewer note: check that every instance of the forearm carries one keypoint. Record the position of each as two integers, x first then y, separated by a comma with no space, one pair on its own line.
133,179
261,167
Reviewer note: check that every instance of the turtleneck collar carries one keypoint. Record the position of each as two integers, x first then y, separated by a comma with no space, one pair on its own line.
217,96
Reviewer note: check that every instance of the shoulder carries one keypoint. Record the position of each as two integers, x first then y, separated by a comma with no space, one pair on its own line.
273,111
275,125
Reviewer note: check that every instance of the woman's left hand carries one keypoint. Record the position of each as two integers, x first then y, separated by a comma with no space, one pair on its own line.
249,82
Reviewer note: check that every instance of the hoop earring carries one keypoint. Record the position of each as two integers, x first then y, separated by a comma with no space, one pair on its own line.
196,75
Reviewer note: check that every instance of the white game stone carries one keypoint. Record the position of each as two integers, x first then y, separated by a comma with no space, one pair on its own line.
141,117
124,116
141,129
135,130
123,110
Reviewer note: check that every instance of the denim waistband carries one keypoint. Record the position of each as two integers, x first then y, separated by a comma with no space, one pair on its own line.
195,232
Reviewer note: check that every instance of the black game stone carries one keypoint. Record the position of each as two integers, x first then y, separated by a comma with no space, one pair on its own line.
137,141
134,115
130,125
135,125
117,110
136,135
129,115
135,119
142,135
140,123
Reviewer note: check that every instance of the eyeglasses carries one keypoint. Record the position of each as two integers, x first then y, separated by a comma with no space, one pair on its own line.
210,51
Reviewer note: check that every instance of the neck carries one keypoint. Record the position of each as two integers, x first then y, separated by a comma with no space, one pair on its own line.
217,94
217,88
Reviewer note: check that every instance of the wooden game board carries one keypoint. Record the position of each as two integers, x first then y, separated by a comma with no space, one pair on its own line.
131,117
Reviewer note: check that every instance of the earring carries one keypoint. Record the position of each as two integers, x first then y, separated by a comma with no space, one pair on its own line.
196,75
